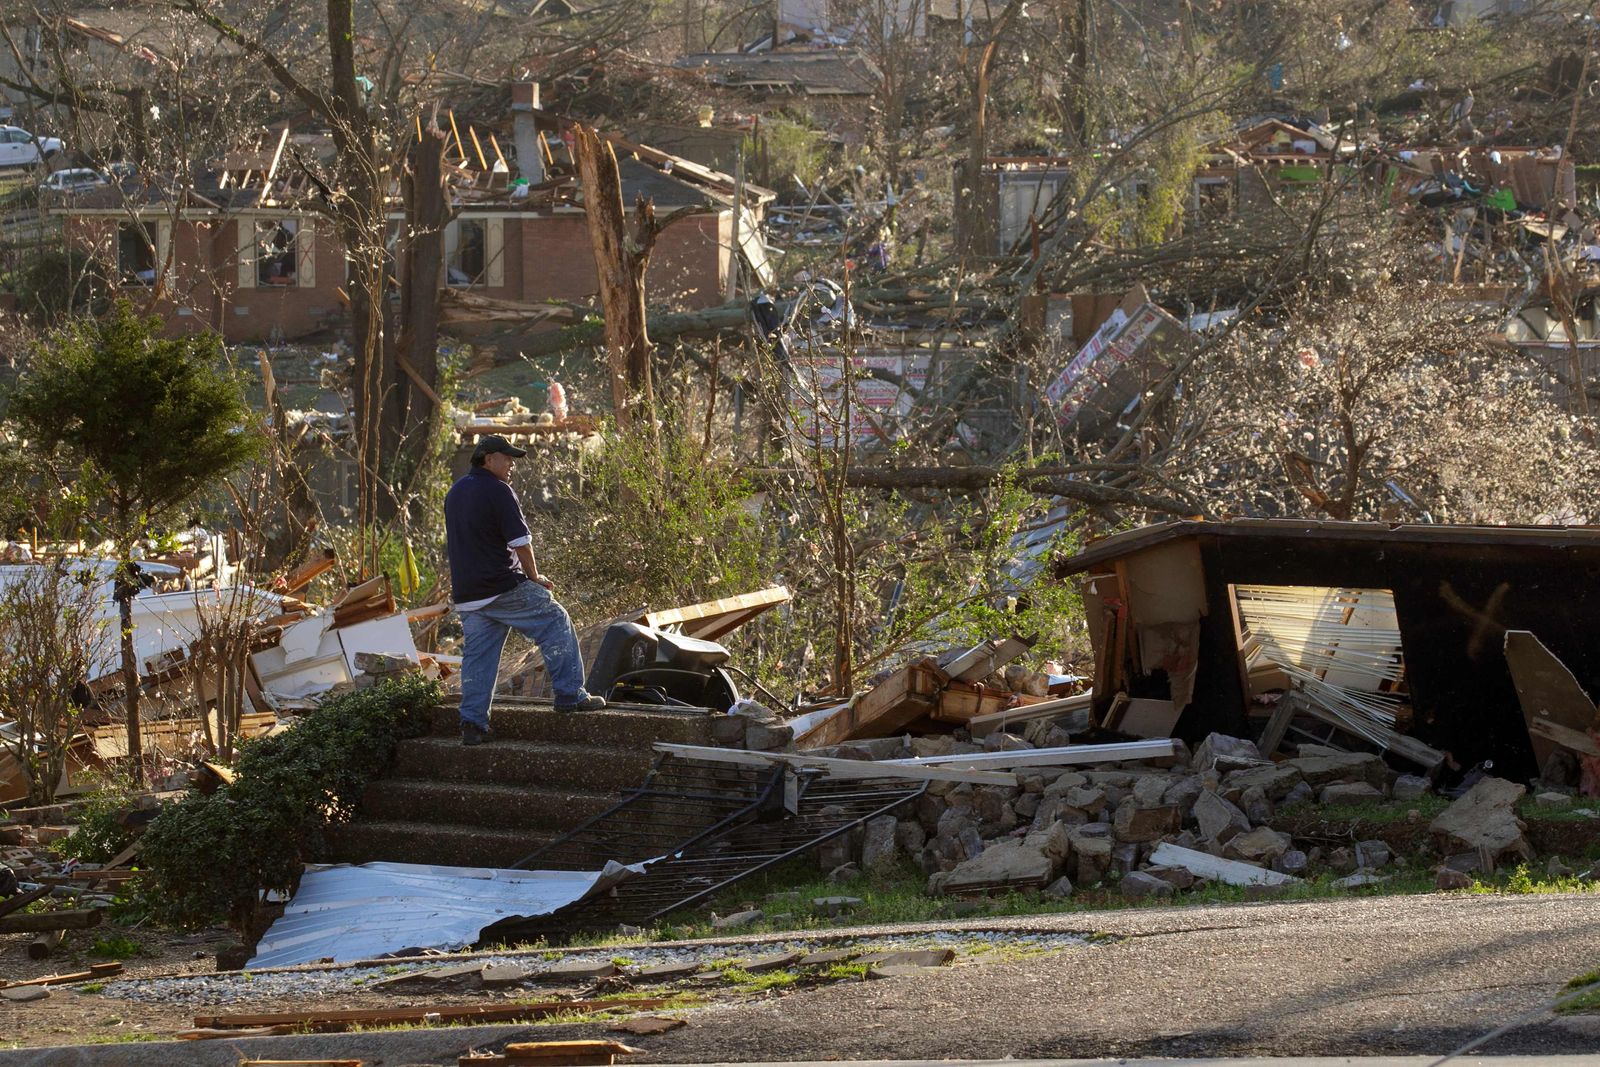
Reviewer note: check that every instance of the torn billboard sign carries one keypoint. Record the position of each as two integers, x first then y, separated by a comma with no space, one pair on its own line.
343,912
1130,352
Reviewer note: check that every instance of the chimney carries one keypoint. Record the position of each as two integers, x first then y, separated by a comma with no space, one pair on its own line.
525,131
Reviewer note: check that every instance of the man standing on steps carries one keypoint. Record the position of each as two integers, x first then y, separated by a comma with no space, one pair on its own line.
498,588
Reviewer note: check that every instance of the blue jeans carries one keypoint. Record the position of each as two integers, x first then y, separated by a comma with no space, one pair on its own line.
533,612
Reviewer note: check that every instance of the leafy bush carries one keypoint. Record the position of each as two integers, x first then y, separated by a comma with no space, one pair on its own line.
97,834
210,857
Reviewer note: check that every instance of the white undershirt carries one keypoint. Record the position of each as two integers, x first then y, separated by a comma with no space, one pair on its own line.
474,605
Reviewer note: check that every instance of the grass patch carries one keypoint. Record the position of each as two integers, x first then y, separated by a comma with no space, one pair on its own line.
1581,995
745,982
91,987
129,1037
1525,881
116,948
846,972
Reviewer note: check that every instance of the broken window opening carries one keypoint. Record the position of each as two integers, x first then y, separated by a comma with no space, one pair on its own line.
1337,648
136,252
466,248
275,251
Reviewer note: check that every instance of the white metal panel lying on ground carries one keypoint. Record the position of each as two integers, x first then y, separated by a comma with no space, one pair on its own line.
343,912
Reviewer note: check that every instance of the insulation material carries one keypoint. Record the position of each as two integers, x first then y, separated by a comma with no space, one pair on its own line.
343,912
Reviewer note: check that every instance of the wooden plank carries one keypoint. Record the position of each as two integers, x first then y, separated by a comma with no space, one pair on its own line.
308,571
1146,717
961,702
838,768
1063,756
706,620
328,1021
1282,715
79,919
1565,736
96,970
887,708
984,725
1205,865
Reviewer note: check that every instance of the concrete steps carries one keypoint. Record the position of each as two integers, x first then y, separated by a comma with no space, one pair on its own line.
545,773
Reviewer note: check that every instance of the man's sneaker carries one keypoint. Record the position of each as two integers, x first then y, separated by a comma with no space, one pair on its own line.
474,735
589,702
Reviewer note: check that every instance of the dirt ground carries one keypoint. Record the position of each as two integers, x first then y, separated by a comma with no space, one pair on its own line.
1356,976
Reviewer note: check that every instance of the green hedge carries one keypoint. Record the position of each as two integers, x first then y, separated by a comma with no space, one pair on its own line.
208,858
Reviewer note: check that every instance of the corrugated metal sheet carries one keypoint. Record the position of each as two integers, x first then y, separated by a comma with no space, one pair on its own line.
344,912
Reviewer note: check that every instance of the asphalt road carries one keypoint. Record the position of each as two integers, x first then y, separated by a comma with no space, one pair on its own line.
1359,977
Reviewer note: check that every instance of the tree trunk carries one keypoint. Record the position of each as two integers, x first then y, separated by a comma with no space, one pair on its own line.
125,586
620,271
418,343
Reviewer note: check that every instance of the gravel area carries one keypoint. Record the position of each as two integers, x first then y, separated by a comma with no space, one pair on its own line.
245,987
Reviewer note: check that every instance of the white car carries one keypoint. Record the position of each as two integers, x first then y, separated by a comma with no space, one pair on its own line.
73,180
19,148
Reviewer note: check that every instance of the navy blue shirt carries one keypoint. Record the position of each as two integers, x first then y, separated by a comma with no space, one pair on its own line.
481,518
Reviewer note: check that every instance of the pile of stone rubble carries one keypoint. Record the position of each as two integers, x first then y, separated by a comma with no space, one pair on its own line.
1157,830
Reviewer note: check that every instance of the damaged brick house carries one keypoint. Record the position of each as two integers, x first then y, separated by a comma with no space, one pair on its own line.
244,253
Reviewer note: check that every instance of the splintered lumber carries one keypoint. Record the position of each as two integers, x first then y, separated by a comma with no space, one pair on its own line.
1156,748
889,707
332,1021
984,725
713,619
369,600
77,919
308,571
839,768
96,970
1557,710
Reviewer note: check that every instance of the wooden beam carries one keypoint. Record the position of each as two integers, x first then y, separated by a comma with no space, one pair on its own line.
80,919
838,768
984,725
272,170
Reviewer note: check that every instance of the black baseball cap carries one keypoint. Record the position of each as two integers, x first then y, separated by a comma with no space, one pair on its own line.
492,443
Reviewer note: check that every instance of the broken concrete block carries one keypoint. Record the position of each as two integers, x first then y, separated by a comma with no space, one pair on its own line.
1139,885
1332,767
1410,787
768,737
737,919
1004,865
1275,780
502,973
1027,806
1182,793
1135,823
1302,793
1350,793
1292,862
1218,745
836,906
1484,819
1060,889
1373,853
1177,877
1448,878
1553,800
1355,881
879,849
845,872
1219,820
775,962
1255,805
1261,845
1000,741
1064,781
588,971
909,836
1091,857
729,730
1342,859
1148,789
